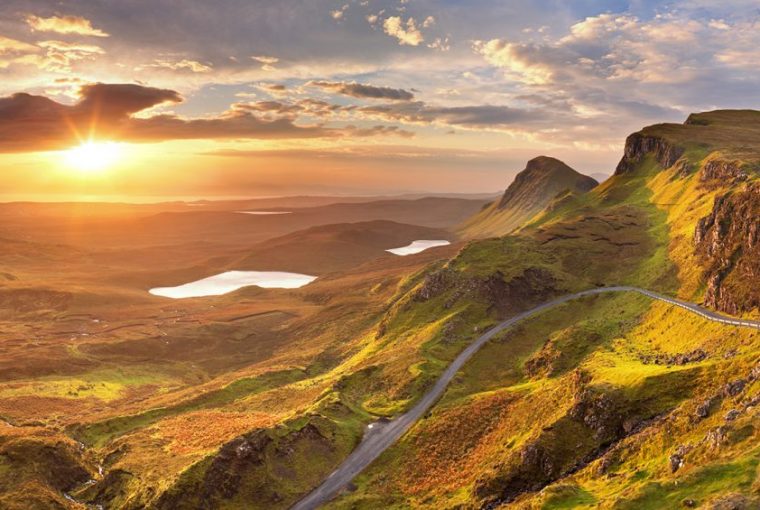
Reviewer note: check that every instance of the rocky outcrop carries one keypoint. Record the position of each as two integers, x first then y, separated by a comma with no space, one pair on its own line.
596,421
534,285
257,464
545,182
39,467
435,284
686,358
639,145
728,243
721,170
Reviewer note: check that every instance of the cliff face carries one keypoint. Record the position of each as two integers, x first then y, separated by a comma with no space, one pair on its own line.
728,243
639,145
724,146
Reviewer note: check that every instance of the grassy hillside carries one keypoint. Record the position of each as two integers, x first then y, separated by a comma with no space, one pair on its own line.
611,402
329,248
249,400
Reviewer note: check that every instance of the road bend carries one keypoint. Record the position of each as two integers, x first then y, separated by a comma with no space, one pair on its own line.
382,434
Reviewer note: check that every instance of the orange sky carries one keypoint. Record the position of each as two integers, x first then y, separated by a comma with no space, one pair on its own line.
255,98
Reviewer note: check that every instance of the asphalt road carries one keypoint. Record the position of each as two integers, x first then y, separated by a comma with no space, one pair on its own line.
380,435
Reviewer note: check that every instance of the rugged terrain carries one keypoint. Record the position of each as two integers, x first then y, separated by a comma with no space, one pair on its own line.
116,398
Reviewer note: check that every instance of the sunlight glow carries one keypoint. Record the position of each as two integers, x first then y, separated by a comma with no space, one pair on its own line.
92,157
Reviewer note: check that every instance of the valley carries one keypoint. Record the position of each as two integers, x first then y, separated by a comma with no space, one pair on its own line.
562,346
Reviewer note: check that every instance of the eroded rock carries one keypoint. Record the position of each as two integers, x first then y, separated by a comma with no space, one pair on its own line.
728,244
638,145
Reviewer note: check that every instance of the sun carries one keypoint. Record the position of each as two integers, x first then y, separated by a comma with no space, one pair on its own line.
93,157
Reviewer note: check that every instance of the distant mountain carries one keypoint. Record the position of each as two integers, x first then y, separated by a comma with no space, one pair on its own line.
599,176
543,179
328,248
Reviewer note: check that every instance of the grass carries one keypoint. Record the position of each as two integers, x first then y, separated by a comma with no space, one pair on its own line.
105,385
700,486
561,497
98,434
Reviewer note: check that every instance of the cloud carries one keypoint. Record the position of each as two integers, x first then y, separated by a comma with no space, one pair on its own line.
665,49
337,14
109,112
56,56
475,117
522,61
265,59
440,44
273,89
267,62
302,107
407,32
64,25
178,65
611,73
494,117
13,51
29,122
60,55
9,46
362,91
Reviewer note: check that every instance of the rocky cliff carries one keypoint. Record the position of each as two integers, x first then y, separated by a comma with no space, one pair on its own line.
728,242
640,144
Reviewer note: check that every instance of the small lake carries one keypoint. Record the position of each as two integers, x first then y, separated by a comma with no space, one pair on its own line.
418,246
234,280
264,213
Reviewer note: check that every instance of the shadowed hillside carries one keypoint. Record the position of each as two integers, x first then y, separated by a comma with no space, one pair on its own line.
329,248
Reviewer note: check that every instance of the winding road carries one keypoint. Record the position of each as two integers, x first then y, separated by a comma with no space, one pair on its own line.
380,435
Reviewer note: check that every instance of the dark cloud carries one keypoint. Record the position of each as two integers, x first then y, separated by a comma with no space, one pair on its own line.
363,91
410,112
29,122
476,116
107,111
312,107
122,100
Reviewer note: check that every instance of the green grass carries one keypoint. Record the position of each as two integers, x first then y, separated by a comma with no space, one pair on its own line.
561,497
105,384
702,485
101,433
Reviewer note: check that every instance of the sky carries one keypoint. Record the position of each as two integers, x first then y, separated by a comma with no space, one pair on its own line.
191,98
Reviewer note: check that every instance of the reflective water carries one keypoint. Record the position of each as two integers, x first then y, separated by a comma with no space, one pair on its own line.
234,280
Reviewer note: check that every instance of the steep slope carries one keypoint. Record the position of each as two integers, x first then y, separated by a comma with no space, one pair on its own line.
542,180
713,199
613,402
338,247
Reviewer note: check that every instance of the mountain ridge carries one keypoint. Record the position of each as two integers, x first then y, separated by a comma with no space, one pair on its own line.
534,188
